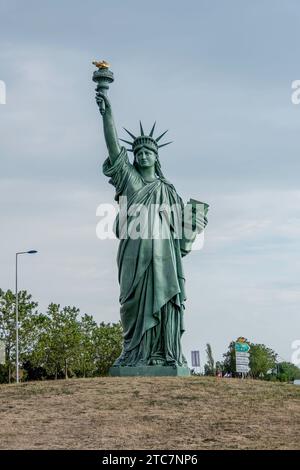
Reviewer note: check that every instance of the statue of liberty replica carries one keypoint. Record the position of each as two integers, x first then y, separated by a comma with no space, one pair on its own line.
151,277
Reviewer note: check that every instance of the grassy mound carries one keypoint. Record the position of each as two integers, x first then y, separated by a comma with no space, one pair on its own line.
150,413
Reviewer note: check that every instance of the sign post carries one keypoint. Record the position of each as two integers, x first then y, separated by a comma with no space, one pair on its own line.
242,356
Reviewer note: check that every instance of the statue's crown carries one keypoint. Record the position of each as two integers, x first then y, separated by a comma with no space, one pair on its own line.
144,140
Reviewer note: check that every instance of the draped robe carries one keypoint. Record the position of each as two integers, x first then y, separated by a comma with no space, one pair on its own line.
151,277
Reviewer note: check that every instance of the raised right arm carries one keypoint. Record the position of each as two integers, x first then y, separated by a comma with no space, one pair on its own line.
110,132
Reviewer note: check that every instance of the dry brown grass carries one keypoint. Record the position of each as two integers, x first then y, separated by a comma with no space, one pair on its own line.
150,413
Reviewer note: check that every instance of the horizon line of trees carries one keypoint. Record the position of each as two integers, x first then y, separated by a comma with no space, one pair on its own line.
60,344
263,364
57,344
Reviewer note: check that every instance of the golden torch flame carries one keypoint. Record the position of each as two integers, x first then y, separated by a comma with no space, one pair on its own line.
101,64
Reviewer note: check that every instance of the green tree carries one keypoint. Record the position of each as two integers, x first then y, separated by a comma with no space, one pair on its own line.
35,329
108,340
262,360
209,367
219,366
287,372
26,312
55,344
229,359
58,344
86,359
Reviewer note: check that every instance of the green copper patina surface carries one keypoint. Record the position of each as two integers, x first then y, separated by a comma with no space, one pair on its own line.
151,277
150,371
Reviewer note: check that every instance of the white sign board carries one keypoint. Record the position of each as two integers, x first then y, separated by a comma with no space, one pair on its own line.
242,354
242,360
242,357
2,352
242,368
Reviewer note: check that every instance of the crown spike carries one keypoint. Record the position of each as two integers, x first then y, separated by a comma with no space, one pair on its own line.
152,130
158,138
141,128
126,141
162,145
131,135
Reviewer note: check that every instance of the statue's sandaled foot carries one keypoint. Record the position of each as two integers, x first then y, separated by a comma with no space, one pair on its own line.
157,362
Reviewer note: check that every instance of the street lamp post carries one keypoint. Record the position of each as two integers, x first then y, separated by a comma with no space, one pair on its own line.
30,252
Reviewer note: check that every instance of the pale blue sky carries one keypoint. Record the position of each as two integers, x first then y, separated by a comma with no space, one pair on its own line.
218,75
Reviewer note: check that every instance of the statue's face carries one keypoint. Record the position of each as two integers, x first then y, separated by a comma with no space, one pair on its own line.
145,157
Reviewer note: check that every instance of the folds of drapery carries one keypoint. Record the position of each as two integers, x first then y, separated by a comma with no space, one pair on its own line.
150,269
